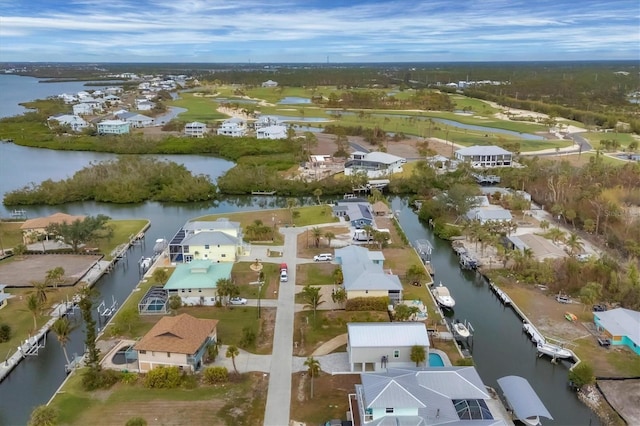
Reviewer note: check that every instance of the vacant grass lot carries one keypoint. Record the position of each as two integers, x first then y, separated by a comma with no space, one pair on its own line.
314,274
199,108
329,401
239,402
10,234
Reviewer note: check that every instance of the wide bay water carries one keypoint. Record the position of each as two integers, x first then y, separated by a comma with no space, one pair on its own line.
500,346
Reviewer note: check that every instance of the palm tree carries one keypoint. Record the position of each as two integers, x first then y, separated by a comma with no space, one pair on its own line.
233,352
40,290
544,225
34,306
318,193
62,327
574,244
418,354
313,368
317,233
291,204
54,276
555,234
313,298
338,277
329,236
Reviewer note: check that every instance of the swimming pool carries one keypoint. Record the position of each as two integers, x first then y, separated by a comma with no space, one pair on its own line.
435,360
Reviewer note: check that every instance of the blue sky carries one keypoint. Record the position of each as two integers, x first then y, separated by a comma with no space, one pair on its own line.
314,31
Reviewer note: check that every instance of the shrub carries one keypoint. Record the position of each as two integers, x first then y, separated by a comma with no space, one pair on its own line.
43,415
5,333
128,377
368,304
213,375
248,337
163,378
136,421
463,362
582,375
93,379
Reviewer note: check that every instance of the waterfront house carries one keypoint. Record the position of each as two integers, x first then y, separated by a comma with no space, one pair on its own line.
221,240
179,341
82,109
234,127
195,129
359,214
272,132
265,121
489,214
485,156
375,346
74,122
4,297
363,275
144,105
269,83
113,127
452,396
197,282
621,326
136,120
34,230
374,164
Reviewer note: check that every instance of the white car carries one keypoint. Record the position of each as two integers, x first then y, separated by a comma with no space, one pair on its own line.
323,257
238,301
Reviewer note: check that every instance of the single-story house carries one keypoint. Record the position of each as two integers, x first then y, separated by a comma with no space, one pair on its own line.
272,132
75,122
113,127
234,127
269,83
195,129
196,282
221,241
452,396
34,230
136,120
4,297
363,277
621,325
485,156
484,215
179,341
374,164
352,254
375,346
359,213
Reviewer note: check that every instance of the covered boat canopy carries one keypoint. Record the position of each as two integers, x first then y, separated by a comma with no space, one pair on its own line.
522,398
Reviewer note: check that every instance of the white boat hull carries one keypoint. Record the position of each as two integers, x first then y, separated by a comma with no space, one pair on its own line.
461,330
554,351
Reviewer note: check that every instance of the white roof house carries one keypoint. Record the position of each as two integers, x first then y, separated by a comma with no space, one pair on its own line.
82,108
374,164
144,105
113,127
486,214
195,129
622,325
234,127
136,120
485,156
272,132
75,122
433,396
372,346
270,83
265,121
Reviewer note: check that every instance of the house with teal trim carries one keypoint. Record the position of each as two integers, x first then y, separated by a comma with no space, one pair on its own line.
197,282
113,127
179,341
621,326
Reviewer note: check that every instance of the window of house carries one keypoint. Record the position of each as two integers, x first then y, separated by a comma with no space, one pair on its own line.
388,410
168,354
199,290
142,352
223,255
396,354
186,249
189,290
206,246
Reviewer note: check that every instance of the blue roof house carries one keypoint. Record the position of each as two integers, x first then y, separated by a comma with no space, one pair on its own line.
197,282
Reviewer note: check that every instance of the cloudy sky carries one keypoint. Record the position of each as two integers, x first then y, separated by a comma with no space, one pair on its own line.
318,30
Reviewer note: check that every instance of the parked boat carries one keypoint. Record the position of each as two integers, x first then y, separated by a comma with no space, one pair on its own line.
554,351
461,329
504,298
160,245
443,297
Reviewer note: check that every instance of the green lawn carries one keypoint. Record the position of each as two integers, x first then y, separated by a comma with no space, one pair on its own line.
200,108
243,275
595,137
314,215
315,274
10,234
123,231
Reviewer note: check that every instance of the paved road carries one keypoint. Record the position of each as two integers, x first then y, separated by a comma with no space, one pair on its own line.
279,393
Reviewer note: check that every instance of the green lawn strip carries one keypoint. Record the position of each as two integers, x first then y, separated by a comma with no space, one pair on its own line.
242,275
123,231
10,234
586,156
316,274
595,137
621,362
276,94
314,215
199,108
16,315
232,321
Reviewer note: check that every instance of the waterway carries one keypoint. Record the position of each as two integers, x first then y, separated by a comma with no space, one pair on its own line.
500,348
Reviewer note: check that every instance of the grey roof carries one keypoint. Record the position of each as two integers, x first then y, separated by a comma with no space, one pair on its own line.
360,273
353,254
621,322
522,398
517,242
129,115
215,225
381,157
482,150
356,211
485,214
211,238
431,390
385,334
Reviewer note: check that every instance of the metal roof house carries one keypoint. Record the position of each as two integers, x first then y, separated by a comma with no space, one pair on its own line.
219,240
360,214
196,282
365,278
136,120
374,164
195,129
234,127
453,396
113,127
75,122
485,156
484,215
272,132
374,346
621,325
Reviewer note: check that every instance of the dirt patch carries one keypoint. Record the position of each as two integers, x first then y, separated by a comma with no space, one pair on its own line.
624,397
307,243
264,344
329,397
20,271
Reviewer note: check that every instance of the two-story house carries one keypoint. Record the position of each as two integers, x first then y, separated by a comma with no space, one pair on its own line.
219,241
374,164
234,127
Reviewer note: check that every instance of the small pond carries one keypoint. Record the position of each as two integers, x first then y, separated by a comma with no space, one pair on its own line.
292,100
